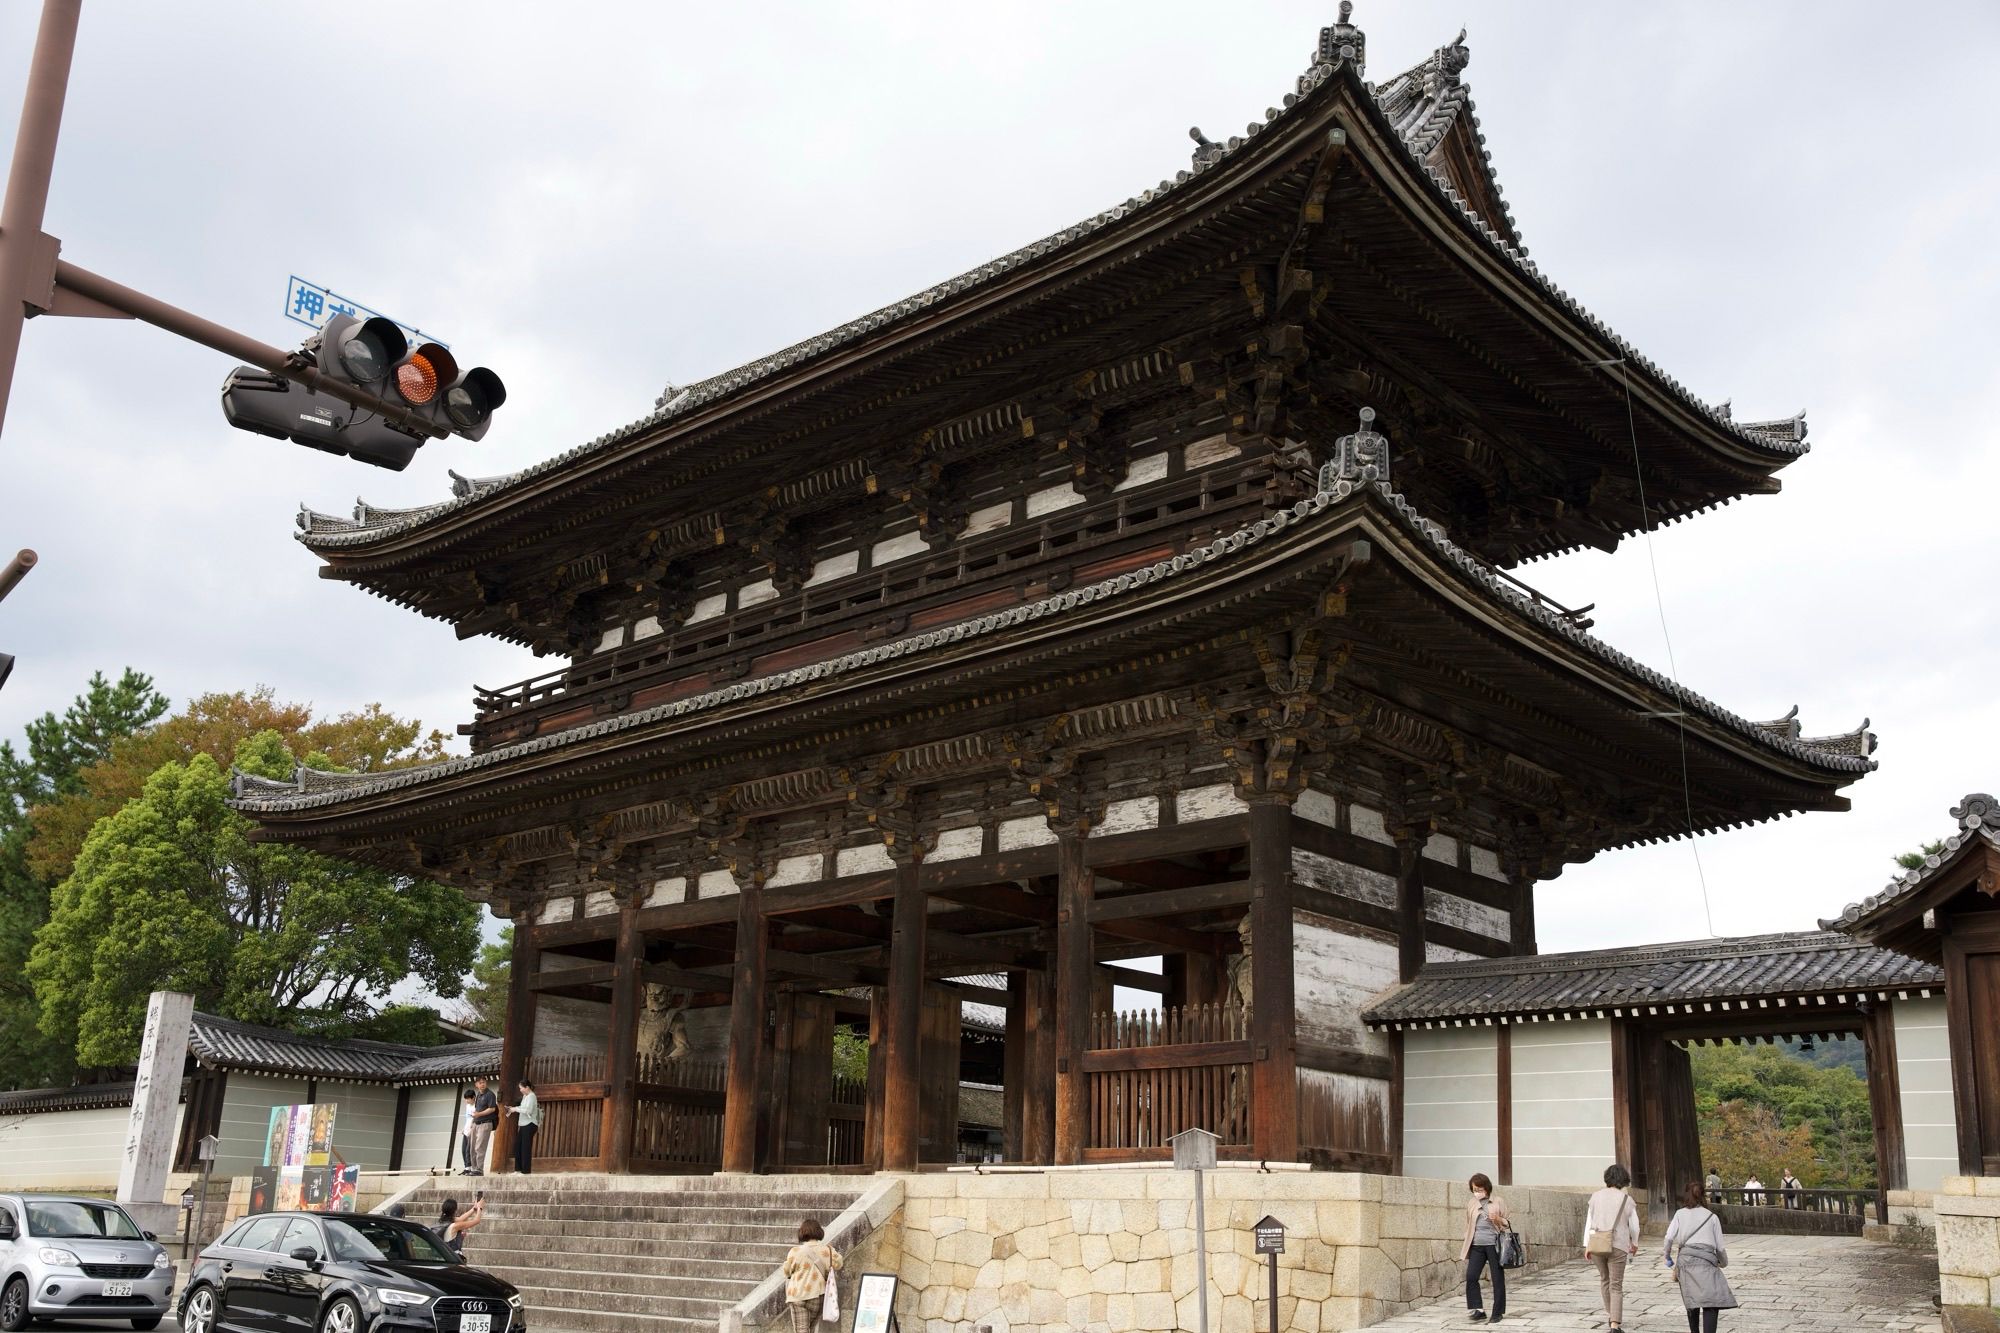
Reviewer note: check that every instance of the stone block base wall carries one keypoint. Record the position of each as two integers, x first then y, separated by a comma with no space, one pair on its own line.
1968,1239
1113,1249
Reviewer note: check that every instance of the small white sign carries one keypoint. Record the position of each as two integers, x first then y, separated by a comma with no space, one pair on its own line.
310,304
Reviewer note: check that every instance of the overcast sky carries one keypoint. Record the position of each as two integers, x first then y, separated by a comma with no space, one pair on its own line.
1784,205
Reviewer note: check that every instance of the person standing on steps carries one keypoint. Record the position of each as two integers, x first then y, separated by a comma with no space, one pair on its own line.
1485,1219
485,1115
1699,1261
1611,1238
465,1133
528,1114
809,1266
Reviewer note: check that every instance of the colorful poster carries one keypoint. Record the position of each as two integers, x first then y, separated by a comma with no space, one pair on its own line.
301,1168
346,1189
319,1144
274,1139
875,1303
264,1189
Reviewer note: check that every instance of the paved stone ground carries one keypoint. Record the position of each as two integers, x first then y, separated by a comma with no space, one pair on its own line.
1798,1284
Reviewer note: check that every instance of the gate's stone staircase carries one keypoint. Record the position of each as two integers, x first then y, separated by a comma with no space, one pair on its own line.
635,1254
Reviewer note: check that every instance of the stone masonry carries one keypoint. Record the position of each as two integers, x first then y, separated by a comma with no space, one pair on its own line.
1968,1240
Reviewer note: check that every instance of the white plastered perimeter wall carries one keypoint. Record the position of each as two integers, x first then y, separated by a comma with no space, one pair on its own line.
1563,1125
1923,1076
1451,1124
66,1150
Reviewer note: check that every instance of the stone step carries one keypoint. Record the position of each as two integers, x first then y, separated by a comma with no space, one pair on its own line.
749,1263
618,1303
558,1320
783,1200
704,1286
733,1215
644,1232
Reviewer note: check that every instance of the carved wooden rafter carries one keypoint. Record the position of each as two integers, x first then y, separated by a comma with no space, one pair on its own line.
1052,768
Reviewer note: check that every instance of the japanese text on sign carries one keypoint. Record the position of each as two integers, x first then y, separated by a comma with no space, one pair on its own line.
313,305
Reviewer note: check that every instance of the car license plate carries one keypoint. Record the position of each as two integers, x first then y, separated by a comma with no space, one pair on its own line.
117,1289
475,1323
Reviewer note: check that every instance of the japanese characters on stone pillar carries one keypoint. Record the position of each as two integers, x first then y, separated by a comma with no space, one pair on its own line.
149,1138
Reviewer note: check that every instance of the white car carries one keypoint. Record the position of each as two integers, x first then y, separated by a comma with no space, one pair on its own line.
63,1257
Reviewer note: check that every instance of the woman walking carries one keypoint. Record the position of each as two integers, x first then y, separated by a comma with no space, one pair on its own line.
1611,1238
1485,1219
809,1266
1699,1261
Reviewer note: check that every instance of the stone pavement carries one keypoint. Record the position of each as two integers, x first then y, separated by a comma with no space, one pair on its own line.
1798,1284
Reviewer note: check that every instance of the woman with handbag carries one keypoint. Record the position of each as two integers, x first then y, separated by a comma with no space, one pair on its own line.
1611,1238
1699,1261
810,1292
1485,1219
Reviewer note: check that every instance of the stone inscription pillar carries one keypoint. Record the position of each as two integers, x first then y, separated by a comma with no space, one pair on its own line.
149,1138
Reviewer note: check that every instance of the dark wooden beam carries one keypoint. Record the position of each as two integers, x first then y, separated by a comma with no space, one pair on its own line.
1004,899
1133,979
1274,1077
1156,874
1171,902
1410,922
1073,992
810,965
1173,939
1503,1111
902,1053
614,1148
680,978
746,1033
566,978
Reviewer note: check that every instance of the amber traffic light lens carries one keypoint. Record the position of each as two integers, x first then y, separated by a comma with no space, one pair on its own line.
417,379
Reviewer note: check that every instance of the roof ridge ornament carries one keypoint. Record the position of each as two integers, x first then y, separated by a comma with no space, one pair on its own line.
1977,810
1206,150
1441,71
1357,458
1342,41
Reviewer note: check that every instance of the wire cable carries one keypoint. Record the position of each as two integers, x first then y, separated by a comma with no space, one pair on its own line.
1673,668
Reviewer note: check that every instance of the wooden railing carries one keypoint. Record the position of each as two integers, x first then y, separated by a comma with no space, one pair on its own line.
676,1114
1846,1203
1153,1074
847,1116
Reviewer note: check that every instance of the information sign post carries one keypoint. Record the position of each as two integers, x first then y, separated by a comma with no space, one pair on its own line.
1271,1241
1194,1150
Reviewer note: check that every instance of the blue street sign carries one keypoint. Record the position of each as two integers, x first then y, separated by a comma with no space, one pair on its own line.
313,305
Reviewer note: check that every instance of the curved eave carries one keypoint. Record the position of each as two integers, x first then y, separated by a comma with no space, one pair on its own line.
1294,544
1337,100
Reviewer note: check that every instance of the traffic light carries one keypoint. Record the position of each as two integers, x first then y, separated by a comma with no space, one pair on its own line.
374,356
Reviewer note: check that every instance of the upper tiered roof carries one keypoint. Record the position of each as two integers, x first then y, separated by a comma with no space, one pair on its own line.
1421,262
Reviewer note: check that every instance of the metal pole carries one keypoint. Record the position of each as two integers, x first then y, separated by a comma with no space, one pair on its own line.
201,1204
28,179
17,569
1201,1249
208,333
1274,1292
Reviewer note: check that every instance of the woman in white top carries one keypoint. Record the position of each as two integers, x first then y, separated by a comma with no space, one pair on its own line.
1699,1260
1611,1238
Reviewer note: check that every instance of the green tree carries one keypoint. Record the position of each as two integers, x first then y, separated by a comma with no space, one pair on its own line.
850,1053
1764,1108
169,892
1914,860
484,1005
59,750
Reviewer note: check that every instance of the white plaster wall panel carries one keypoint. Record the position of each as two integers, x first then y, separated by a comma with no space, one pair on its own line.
1212,802
1315,871
708,608
556,909
1318,807
1145,468
1050,499
988,518
716,884
646,627
600,902
1450,1103
247,1100
1448,909
755,594
1204,453
955,844
1440,848
1444,953
1335,973
430,1137
1363,822
1028,831
1563,1131
364,1125
892,549
795,870
613,638
670,890
862,860
834,567
1923,1071
66,1150
1486,862
1129,816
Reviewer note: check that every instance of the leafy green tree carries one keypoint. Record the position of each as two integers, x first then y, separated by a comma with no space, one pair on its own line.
59,750
169,892
1763,1108
1913,860
850,1053
484,1006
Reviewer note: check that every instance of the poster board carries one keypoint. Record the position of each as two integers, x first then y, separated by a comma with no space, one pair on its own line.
875,1303
301,1171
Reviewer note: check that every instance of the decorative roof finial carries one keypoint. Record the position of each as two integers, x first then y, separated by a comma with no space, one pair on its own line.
1360,457
1343,41
1205,148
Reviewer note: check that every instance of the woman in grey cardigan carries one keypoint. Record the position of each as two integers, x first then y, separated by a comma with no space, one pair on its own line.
1699,1260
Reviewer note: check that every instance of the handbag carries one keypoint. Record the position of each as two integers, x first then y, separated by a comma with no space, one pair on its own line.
1513,1250
1602,1242
829,1306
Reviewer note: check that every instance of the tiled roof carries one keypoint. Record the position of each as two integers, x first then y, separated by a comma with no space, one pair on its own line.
1708,972
226,1044
1417,106
981,1104
453,1064
311,789
83,1097
1978,817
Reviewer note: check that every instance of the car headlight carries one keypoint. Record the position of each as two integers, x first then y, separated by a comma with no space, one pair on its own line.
53,1255
515,1301
160,1260
393,1297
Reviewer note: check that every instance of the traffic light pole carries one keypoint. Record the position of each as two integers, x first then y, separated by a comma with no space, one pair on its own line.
35,280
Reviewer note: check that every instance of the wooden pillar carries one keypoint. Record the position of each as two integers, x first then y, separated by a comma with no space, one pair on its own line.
878,1048
1014,1069
1521,920
1885,1100
746,1029
1274,1079
1038,1108
1503,1101
402,1127
937,1103
1074,979
802,1083
902,1086
621,1051
1623,1139
517,1033
1410,952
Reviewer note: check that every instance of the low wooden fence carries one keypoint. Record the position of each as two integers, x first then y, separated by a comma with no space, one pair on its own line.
1798,1212
676,1115
1153,1074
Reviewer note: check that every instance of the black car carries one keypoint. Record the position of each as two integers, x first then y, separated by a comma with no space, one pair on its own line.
340,1273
